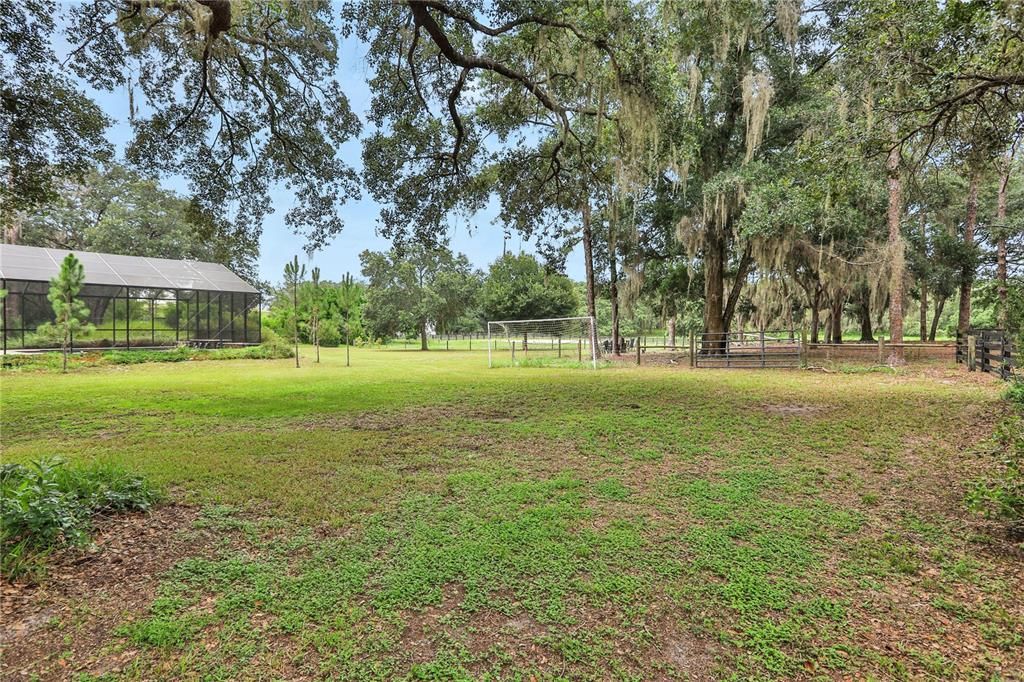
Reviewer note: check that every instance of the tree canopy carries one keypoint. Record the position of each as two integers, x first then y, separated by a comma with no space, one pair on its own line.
761,163
233,97
413,288
117,210
49,129
519,288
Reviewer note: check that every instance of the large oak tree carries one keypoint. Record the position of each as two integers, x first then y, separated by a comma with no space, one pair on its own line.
236,98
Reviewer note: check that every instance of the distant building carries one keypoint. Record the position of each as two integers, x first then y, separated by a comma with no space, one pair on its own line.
133,301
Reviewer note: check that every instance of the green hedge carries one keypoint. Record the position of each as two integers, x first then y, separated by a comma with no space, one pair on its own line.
52,361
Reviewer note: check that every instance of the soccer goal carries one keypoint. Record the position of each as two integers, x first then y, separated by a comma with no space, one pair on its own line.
554,341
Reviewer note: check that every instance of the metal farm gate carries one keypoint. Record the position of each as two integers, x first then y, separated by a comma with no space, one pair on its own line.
766,349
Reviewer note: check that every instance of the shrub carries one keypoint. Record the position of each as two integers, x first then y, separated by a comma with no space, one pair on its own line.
275,343
273,348
46,504
329,334
46,335
31,361
135,357
1001,495
261,352
1015,393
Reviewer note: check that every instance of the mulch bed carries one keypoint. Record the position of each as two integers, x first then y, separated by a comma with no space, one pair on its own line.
88,592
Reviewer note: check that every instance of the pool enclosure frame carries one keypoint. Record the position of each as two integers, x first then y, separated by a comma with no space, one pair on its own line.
134,302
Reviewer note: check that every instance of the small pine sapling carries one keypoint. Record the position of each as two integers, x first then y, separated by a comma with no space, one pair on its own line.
349,296
293,276
70,313
314,313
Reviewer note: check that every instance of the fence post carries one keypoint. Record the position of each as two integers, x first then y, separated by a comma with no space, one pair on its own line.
803,347
579,350
638,351
984,338
1004,367
513,351
970,353
762,349
559,346
693,349
881,349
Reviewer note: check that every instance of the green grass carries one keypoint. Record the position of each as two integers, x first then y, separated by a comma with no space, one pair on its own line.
419,516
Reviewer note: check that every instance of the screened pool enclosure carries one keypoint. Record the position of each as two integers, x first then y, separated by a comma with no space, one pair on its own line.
133,301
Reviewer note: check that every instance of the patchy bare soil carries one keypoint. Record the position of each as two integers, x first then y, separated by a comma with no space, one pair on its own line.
65,625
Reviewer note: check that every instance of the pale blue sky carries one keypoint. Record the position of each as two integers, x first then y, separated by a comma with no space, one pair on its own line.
481,240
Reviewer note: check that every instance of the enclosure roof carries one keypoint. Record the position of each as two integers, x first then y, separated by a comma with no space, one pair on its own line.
37,264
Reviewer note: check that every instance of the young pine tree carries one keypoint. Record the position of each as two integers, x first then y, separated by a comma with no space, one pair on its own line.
293,276
70,313
349,305
314,312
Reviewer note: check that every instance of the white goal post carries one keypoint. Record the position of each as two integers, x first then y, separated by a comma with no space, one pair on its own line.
556,338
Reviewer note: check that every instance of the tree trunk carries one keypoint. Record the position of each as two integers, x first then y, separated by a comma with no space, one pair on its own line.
714,289
940,303
423,335
836,319
815,315
924,283
613,293
97,309
220,16
789,316
896,253
315,324
1003,314
588,259
742,268
864,312
11,233
967,275
923,333
295,326
672,331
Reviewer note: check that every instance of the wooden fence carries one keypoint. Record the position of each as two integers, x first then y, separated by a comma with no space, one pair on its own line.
986,350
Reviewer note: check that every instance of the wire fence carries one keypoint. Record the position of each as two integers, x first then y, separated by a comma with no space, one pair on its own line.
783,348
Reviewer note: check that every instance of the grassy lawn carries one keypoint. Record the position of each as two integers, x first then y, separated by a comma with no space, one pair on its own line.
418,515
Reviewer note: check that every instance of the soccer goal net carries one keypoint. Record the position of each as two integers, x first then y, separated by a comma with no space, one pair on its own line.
554,341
